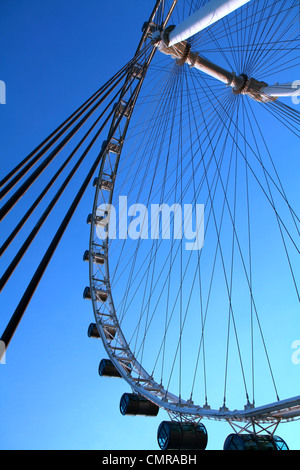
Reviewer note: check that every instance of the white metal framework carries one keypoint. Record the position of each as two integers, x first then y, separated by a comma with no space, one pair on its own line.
204,17
108,322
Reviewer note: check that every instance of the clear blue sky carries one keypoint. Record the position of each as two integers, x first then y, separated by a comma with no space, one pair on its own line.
54,55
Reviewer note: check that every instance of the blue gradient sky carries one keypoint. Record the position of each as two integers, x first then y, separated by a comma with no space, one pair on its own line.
54,55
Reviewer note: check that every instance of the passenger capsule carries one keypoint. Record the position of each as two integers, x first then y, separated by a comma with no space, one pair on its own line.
101,295
93,331
99,221
120,108
254,442
173,435
113,146
133,404
109,331
97,257
87,293
108,369
106,185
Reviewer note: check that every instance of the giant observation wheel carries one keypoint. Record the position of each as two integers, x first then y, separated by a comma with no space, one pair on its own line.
194,239
196,134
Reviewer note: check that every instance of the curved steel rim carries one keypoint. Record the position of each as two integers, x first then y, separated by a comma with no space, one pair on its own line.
119,351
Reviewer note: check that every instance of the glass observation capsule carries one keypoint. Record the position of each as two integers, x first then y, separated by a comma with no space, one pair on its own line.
173,435
254,442
134,404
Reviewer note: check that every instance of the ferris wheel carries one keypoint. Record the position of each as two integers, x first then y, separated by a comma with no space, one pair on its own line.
194,230
195,135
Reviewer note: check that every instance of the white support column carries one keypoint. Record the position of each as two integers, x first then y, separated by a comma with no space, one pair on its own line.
284,89
204,17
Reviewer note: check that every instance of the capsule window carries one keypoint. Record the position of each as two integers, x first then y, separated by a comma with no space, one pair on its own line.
100,221
93,331
173,435
97,257
110,332
254,442
108,369
133,404
101,295
87,293
280,443
106,185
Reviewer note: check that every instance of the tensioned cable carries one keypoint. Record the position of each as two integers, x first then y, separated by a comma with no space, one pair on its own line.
210,212
175,168
242,258
218,231
54,137
258,32
125,129
139,160
142,278
197,270
150,143
244,23
272,59
187,164
261,57
201,342
164,283
20,310
272,199
56,131
203,319
162,135
231,317
250,259
49,208
25,186
53,179
274,168
287,116
275,185
236,131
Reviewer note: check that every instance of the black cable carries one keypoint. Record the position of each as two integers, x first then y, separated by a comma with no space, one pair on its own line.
20,310
27,184
49,208
51,182
56,134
